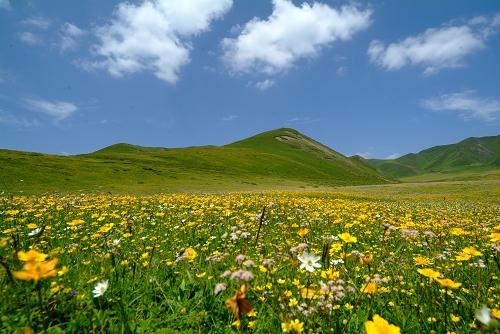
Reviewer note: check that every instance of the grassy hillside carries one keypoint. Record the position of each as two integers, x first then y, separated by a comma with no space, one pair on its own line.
280,159
470,155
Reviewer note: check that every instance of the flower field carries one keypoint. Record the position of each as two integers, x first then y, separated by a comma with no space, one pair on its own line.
409,259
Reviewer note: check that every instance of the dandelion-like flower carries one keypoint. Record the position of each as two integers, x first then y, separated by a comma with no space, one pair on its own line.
380,325
309,261
448,283
36,270
100,288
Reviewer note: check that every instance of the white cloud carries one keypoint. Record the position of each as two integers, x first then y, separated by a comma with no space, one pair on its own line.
265,84
9,119
5,4
393,156
341,70
229,118
469,106
152,36
69,34
436,48
299,119
30,38
289,34
59,110
39,22
365,155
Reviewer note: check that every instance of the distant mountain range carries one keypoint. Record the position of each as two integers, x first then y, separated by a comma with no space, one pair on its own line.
469,153
278,159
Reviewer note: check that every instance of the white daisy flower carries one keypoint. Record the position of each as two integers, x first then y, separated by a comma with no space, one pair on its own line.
309,261
100,288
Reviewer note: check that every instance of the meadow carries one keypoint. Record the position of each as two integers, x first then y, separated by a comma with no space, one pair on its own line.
409,258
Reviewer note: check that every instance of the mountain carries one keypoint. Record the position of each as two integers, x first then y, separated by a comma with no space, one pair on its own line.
470,153
278,159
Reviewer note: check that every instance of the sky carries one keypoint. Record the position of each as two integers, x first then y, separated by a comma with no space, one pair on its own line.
380,79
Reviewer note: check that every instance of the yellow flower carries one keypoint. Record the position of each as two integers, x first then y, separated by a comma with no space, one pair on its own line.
190,254
429,273
297,326
379,325
370,288
367,259
31,255
472,251
448,283
454,318
293,302
63,271
303,232
36,270
346,237
330,274
495,313
286,327
462,256
32,226
422,260
494,237
348,306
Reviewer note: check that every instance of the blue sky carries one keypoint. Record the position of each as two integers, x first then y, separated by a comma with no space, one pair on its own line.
379,79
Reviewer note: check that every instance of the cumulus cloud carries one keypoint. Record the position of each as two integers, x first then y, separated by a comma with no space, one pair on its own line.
59,110
436,48
290,33
153,36
393,156
30,38
70,33
265,84
467,104
5,4
39,22
341,70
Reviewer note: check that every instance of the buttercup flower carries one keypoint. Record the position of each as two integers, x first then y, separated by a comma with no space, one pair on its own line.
36,270
429,273
379,325
448,283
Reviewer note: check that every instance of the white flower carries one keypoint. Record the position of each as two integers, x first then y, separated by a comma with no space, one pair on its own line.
34,232
336,262
115,242
100,288
483,315
309,261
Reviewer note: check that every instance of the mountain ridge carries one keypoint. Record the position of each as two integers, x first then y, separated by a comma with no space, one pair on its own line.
276,159
470,152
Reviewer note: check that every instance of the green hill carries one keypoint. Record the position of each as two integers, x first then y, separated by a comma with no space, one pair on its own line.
279,159
471,154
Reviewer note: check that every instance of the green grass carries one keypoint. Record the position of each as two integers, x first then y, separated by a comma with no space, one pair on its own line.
457,174
260,162
140,245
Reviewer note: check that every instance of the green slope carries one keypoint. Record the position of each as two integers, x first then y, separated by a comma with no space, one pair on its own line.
472,153
279,159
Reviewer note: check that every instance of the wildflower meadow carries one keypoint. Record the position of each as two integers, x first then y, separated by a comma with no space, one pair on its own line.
392,259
